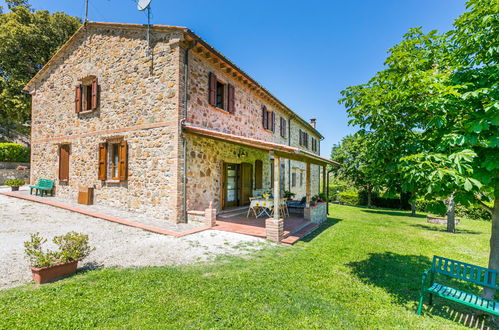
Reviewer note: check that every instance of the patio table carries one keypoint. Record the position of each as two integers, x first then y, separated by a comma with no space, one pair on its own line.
265,205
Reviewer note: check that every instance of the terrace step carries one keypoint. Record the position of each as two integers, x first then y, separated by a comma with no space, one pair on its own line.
233,212
302,232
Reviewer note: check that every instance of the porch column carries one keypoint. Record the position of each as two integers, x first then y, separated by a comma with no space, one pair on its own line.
307,182
306,211
324,180
274,227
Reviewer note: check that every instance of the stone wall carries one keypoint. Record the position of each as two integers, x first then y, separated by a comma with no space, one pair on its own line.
7,174
247,119
138,103
316,213
205,158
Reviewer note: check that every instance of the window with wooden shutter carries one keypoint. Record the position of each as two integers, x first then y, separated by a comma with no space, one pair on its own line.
300,135
272,121
78,102
95,94
258,174
123,161
212,89
64,162
265,115
283,127
231,98
103,161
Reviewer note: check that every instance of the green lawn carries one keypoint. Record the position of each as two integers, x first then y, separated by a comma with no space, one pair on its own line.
362,269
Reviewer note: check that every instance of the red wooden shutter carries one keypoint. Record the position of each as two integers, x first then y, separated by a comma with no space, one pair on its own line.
64,162
78,98
264,117
103,161
258,174
231,98
95,94
212,89
273,121
123,161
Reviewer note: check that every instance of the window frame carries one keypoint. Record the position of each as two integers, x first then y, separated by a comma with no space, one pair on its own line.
223,105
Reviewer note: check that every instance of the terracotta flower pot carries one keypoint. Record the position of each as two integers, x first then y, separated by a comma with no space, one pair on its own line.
46,274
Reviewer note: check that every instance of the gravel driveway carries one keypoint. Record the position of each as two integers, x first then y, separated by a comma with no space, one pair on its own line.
116,245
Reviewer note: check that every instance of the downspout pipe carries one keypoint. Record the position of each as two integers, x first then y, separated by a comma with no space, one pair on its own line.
182,122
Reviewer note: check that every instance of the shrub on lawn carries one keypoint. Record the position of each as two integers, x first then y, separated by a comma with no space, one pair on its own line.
348,197
473,212
72,246
13,152
431,206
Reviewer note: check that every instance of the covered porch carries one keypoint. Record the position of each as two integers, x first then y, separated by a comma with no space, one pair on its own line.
277,226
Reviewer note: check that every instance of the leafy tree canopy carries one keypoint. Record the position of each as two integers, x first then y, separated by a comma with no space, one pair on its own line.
28,39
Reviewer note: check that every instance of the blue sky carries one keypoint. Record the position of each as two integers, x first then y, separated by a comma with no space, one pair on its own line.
304,52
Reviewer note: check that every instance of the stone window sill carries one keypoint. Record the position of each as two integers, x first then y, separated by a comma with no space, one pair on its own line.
112,181
221,110
85,112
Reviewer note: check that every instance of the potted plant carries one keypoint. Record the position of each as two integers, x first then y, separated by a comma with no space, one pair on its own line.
14,184
49,265
289,195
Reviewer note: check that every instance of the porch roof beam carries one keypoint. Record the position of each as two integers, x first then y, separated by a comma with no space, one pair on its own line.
279,150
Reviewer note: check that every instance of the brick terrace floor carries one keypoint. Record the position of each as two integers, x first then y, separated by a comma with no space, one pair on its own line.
256,227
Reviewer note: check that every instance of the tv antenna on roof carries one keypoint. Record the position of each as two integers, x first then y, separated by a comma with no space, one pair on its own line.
146,5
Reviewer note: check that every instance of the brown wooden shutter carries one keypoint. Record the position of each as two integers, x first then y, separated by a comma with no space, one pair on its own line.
231,98
212,89
258,174
272,122
64,162
123,161
95,94
103,161
301,138
78,89
264,117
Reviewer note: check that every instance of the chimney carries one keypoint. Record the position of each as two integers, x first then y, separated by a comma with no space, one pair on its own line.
312,122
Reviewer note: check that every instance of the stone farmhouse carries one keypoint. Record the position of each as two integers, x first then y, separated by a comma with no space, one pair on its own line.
168,128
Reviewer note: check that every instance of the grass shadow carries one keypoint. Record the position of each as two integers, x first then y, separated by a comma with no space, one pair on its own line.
326,225
443,229
89,266
400,275
396,213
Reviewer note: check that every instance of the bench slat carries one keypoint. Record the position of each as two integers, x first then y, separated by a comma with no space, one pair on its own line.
465,298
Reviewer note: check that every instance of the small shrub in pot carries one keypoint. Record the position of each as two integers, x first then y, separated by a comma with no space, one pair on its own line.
14,184
47,265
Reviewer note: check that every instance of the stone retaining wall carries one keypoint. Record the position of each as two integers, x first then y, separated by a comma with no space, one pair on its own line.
9,174
316,213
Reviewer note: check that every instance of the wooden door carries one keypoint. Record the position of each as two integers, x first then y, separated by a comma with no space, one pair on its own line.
64,162
246,183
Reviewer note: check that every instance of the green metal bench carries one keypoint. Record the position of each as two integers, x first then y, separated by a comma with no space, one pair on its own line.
481,276
43,186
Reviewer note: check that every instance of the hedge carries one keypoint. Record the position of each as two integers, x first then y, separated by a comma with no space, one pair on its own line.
472,211
348,197
389,203
13,152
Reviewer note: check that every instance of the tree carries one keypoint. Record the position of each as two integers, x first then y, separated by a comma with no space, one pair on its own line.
356,162
28,39
446,88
